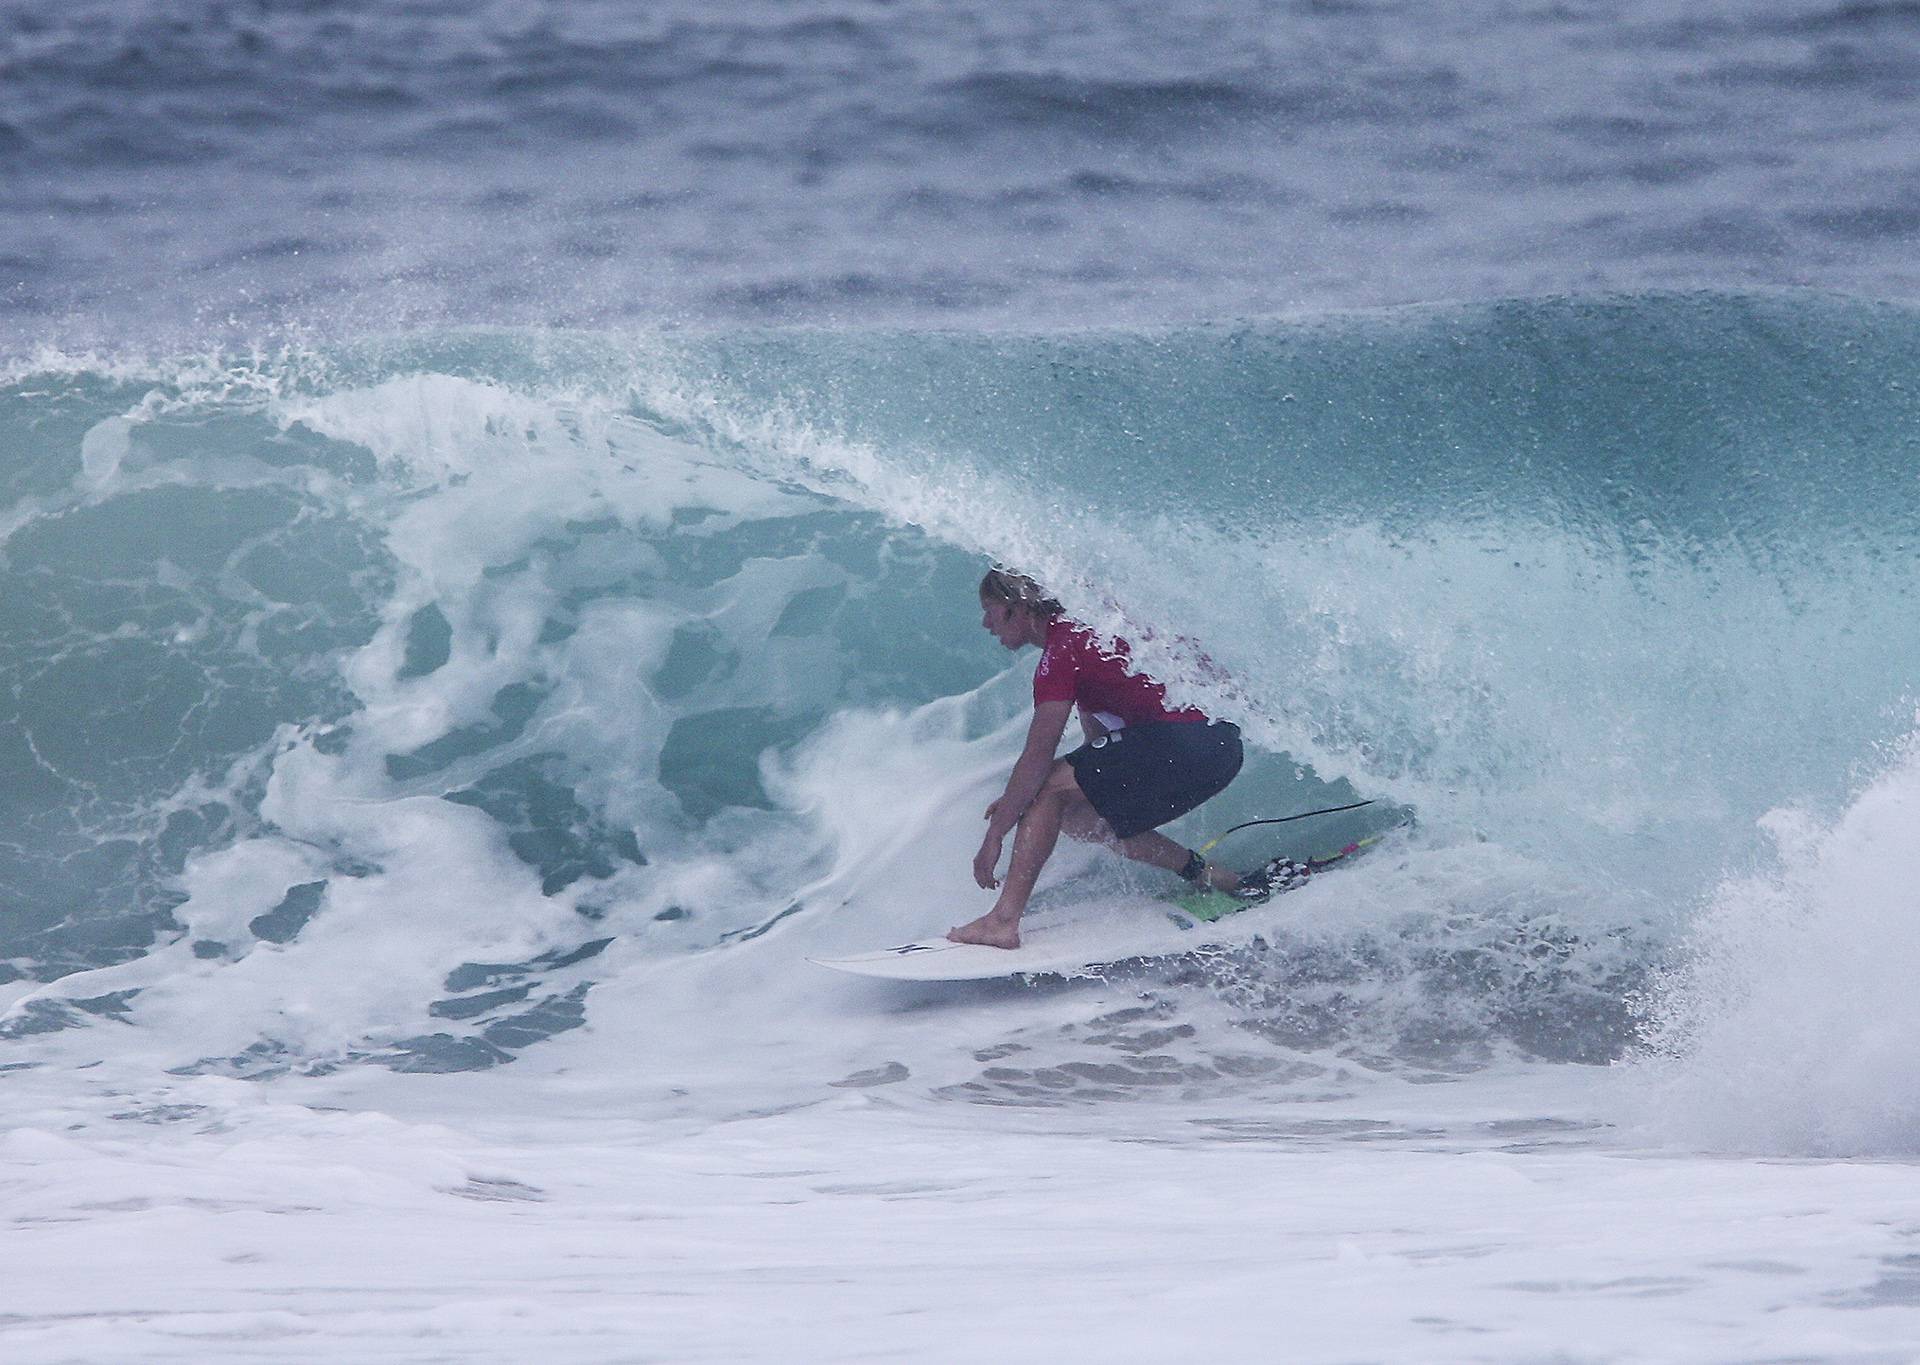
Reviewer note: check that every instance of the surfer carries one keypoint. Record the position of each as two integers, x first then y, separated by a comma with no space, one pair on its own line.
1143,763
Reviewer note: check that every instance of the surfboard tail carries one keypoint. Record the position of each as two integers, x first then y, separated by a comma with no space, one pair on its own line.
1205,907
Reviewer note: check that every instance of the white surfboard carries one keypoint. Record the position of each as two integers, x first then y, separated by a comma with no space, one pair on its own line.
1093,938
1082,940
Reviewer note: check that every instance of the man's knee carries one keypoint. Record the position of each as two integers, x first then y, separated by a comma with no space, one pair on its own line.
1083,823
1061,780
1055,798
1079,819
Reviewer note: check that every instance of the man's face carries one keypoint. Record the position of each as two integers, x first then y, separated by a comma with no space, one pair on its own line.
1004,622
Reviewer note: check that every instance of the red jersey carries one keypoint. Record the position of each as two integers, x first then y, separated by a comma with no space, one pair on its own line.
1075,667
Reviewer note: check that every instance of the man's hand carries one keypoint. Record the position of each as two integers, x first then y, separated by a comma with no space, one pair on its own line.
993,806
986,861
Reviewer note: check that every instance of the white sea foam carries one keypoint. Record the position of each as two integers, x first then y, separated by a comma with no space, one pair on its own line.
1789,1027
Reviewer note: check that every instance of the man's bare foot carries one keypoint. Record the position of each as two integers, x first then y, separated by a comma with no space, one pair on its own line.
995,931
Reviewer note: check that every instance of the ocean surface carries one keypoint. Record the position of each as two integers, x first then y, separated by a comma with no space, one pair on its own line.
491,501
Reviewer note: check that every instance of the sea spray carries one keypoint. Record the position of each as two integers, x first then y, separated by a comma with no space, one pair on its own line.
1788,1027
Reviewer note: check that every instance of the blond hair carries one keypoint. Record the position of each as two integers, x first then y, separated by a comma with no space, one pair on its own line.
1017,590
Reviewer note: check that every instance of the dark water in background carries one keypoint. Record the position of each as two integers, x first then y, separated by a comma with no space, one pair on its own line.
171,169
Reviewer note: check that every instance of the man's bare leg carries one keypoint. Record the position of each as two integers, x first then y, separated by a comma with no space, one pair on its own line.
1034,839
1152,848
1062,807
1157,850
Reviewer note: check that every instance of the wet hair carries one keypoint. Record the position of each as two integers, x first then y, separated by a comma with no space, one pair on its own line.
1017,590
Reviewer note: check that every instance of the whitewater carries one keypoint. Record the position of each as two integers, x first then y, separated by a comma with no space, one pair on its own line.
491,506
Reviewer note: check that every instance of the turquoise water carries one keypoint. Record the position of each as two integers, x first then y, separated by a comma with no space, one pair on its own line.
609,633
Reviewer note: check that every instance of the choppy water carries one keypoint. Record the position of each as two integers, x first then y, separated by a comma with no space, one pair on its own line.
190,166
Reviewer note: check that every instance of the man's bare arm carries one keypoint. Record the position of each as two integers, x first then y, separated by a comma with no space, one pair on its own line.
1030,773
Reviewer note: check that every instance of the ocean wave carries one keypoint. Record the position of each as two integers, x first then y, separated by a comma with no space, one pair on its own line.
464,651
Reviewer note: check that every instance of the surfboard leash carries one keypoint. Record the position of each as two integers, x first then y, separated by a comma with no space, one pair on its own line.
1205,848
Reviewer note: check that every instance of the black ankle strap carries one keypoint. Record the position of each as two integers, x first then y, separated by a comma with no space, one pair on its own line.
1196,869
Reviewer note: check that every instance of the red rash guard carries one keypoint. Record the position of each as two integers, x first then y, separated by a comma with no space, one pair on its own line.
1074,667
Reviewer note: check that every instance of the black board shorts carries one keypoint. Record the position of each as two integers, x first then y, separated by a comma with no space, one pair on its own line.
1140,777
